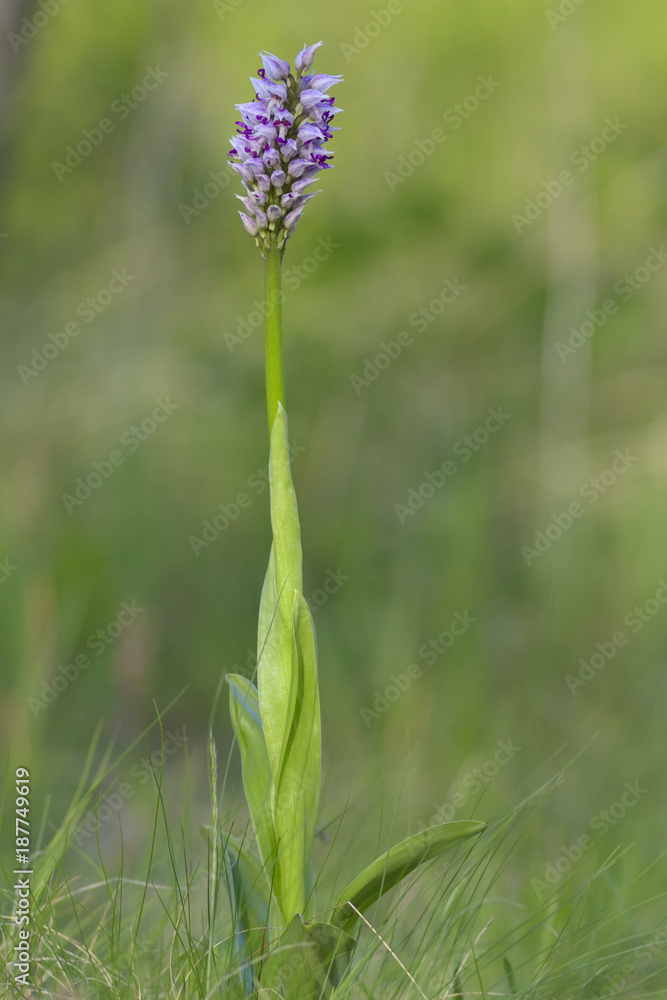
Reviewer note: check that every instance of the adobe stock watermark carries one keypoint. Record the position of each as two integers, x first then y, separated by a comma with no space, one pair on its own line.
634,621
7,570
130,441
121,109
419,320
599,826
473,782
430,652
455,117
332,583
624,288
208,192
293,278
225,7
464,449
87,311
31,26
565,9
365,33
97,643
113,801
581,159
591,491
228,513
639,966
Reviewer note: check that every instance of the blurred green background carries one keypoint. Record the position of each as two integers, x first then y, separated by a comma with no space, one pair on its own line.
151,199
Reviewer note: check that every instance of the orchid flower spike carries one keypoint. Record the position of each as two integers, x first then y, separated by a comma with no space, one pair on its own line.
279,146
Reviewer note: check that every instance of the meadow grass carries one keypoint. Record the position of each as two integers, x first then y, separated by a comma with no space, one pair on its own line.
166,928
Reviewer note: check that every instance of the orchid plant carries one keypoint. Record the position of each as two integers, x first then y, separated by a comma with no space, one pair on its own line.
284,948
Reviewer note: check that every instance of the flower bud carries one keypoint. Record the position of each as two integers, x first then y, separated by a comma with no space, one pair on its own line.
275,68
305,58
249,225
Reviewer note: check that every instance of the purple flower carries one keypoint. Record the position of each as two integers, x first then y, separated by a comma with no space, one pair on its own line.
278,150
267,90
305,58
289,148
245,172
297,168
249,224
271,158
309,98
323,82
256,165
298,187
309,132
275,68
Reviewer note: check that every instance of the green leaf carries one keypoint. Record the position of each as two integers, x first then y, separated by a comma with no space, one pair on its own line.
250,896
310,959
297,789
287,683
257,778
284,511
389,869
277,686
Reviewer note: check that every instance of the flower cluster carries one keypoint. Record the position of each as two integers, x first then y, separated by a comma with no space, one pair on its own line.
279,146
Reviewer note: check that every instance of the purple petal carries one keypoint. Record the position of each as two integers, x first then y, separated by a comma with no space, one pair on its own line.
292,218
275,68
274,213
271,158
309,98
289,149
250,226
278,178
283,117
238,143
291,201
297,167
267,89
262,220
298,187
247,203
268,132
244,170
322,82
305,58
321,112
309,132
253,111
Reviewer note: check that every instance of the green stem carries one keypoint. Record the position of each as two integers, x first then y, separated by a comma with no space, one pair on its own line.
275,379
